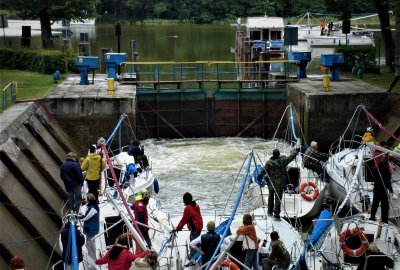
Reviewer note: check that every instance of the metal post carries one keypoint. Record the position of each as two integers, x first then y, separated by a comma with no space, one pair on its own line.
4,31
118,33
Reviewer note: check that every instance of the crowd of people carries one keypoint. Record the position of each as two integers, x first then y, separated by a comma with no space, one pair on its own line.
74,172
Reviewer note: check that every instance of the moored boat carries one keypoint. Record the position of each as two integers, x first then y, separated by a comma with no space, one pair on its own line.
304,190
349,170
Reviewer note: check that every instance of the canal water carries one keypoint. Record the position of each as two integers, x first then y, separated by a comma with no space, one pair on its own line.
153,42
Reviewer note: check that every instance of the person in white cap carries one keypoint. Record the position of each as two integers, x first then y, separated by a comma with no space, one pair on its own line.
312,158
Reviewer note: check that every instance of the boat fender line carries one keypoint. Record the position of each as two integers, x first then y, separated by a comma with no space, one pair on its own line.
156,186
353,232
228,263
313,195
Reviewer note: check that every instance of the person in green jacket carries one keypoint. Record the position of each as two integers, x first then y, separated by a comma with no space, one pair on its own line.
93,164
275,169
279,255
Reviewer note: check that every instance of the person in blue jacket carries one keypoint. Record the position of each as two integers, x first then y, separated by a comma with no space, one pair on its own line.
91,224
71,175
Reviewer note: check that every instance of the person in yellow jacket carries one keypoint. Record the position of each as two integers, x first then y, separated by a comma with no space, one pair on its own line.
93,164
369,136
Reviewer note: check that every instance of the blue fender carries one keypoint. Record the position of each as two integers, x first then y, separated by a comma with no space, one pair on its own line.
156,186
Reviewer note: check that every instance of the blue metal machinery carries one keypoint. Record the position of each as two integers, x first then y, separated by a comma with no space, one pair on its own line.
333,62
112,61
85,64
302,59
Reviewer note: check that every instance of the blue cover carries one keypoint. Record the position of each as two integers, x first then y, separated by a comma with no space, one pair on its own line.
255,174
321,226
130,169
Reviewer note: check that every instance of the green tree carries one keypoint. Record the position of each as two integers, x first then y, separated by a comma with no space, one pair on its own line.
50,11
160,8
382,6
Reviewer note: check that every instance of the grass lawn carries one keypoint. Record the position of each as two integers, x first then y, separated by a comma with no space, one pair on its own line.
30,85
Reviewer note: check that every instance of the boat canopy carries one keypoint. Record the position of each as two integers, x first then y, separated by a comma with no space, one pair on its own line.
265,23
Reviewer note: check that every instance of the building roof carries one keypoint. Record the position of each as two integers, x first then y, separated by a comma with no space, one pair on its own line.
265,22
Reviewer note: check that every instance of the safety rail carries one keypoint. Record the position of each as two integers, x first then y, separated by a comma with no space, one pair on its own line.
8,94
221,72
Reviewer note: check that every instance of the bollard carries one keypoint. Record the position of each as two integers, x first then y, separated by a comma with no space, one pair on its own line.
110,86
326,83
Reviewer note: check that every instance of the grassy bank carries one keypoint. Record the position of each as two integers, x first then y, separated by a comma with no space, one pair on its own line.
30,85
383,80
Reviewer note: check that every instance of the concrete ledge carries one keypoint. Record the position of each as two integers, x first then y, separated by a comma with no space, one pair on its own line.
325,115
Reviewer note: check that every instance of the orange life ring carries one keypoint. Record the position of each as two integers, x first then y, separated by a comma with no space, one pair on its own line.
228,263
313,195
353,232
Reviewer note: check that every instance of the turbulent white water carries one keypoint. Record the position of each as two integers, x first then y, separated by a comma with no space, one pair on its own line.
208,168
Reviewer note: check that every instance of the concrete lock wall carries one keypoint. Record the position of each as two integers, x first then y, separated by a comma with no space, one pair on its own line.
86,119
325,116
32,148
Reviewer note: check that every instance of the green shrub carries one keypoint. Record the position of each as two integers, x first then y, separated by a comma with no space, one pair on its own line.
43,61
359,56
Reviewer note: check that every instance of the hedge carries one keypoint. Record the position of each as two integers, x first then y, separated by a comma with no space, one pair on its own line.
43,61
358,56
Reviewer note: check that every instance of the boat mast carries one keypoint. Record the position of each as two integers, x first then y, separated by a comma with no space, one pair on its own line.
235,207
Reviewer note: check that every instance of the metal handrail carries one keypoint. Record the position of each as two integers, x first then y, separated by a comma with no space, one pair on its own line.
205,71
11,97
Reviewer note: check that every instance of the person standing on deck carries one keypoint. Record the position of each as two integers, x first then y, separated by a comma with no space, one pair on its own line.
207,243
71,174
382,184
330,28
94,164
279,255
250,241
323,25
275,168
312,159
137,151
141,215
191,217
91,224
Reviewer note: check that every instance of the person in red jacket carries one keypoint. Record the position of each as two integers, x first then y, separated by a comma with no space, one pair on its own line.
141,215
191,217
119,257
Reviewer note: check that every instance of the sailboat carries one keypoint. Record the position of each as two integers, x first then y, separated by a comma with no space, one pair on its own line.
264,225
305,191
312,34
349,166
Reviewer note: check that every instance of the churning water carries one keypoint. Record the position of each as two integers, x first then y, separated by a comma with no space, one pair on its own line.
208,168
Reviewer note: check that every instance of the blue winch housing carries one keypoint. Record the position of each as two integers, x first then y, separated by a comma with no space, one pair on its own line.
85,64
112,61
333,61
301,60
